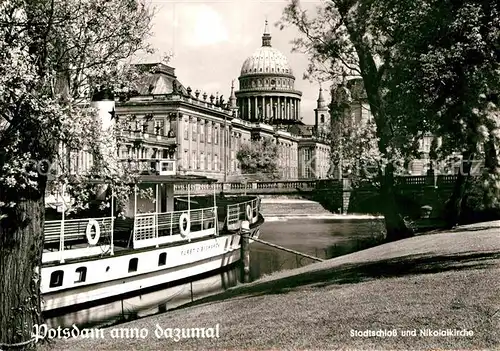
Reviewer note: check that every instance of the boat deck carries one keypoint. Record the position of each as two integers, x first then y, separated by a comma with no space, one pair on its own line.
82,236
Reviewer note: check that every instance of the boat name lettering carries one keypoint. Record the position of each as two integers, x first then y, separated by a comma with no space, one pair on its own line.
199,249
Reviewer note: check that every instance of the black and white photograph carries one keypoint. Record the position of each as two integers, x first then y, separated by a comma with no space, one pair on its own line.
249,175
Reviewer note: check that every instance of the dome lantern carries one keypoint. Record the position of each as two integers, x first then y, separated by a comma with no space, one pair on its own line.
266,37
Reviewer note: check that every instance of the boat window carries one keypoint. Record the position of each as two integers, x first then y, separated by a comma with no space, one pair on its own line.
162,260
81,274
56,279
132,265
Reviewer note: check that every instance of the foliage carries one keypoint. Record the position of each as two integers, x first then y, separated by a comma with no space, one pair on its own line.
446,71
343,42
426,66
445,78
259,158
53,55
422,64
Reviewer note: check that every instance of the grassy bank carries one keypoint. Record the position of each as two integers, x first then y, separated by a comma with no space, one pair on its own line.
440,281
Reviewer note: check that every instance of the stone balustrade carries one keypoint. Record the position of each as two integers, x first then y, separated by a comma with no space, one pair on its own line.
296,186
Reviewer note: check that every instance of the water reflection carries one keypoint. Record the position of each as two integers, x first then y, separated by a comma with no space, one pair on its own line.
323,238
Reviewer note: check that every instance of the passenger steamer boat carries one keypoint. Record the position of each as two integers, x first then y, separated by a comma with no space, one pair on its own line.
88,260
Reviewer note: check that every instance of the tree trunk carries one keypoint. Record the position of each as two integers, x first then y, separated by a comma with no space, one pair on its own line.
21,246
491,156
395,225
453,208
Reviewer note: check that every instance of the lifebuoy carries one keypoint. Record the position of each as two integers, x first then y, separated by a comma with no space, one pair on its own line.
93,240
249,213
184,218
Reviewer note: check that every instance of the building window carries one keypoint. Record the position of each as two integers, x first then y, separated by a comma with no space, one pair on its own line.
165,154
186,130
159,127
185,160
202,133
209,135
132,265
56,279
216,136
193,128
202,161
162,259
216,162
193,160
308,172
80,274
209,161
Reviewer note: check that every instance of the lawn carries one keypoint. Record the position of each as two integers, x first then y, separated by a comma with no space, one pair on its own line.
429,282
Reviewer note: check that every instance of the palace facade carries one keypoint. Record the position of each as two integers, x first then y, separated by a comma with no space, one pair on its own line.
205,133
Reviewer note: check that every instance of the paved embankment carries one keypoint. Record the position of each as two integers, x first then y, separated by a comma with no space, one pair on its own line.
426,284
275,208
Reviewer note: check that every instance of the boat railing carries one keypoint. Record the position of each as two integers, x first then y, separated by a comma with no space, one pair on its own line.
75,238
154,229
248,210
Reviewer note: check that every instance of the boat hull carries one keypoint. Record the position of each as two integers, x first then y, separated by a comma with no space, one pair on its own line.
145,302
111,277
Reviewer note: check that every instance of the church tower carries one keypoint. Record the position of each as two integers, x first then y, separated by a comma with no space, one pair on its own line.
321,114
233,101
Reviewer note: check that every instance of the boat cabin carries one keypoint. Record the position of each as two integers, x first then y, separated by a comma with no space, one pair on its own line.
164,219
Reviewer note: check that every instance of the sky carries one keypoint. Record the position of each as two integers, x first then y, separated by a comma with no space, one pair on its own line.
211,39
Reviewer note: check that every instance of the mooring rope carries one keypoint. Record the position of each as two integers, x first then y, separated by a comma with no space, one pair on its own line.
283,248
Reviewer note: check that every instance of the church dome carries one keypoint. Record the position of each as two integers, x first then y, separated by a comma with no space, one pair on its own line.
266,60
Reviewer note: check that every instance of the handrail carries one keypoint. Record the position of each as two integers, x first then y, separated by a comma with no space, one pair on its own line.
234,213
52,221
58,234
164,225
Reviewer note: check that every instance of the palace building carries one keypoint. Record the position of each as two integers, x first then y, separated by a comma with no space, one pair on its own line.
205,132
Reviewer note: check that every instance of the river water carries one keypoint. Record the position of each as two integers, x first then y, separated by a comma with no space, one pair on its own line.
320,237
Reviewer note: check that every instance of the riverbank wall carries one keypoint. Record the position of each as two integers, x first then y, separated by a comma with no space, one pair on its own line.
286,206
295,207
